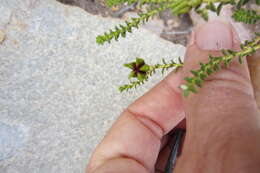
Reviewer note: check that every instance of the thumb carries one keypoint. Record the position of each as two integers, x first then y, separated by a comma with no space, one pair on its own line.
225,94
222,117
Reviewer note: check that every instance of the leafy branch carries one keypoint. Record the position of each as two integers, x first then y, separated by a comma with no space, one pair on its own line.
142,71
123,29
215,64
246,16
111,3
177,7
142,2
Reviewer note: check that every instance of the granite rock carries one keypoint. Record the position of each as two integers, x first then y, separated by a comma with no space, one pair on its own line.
12,138
58,87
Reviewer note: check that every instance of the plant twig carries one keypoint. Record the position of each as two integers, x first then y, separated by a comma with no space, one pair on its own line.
142,71
246,16
215,64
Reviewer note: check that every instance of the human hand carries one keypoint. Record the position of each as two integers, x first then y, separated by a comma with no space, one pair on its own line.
222,119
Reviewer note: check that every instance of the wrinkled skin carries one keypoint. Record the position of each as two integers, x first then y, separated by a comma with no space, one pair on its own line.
222,119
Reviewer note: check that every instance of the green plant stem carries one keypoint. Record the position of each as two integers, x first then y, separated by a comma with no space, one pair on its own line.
200,75
152,70
156,1
133,84
177,7
165,66
135,22
111,3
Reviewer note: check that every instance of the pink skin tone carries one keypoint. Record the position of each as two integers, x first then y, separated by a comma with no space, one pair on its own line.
222,120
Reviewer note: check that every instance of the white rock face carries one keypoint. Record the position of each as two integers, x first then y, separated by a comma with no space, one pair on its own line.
58,89
12,138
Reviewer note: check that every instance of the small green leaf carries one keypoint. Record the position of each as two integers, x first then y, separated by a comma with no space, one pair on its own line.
132,75
145,68
240,59
179,6
216,67
202,66
123,34
195,73
209,71
211,6
195,3
188,79
100,40
141,77
203,76
192,88
184,10
231,52
242,46
198,82
121,88
139,61
164,62
129,65
226,64
203,13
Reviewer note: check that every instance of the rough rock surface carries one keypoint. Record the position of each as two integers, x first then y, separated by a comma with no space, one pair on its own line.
58,89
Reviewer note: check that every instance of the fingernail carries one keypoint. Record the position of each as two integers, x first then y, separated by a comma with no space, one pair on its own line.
214,36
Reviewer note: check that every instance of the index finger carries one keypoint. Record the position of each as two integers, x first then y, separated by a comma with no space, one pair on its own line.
135,138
